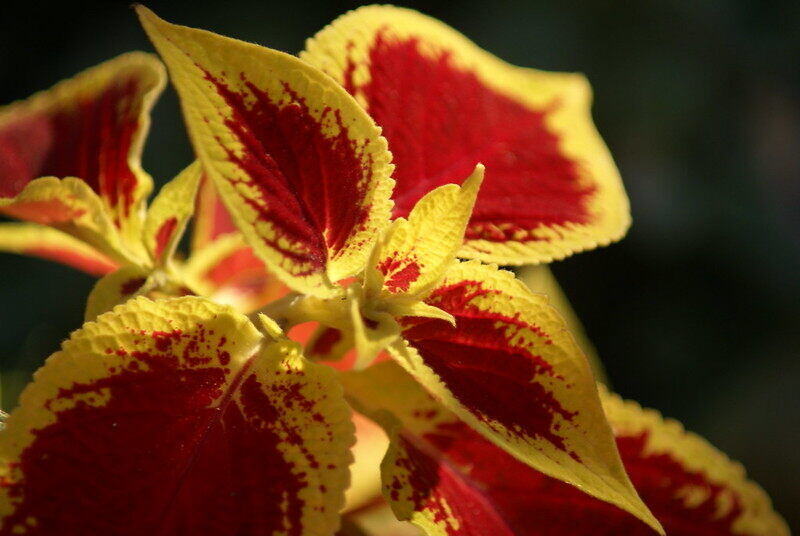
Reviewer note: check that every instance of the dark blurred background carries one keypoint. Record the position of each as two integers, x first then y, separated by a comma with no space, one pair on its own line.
694,313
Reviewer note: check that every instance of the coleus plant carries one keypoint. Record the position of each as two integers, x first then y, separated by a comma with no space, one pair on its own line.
172,412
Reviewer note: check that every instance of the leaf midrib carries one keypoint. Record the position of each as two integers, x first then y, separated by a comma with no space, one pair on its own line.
225,401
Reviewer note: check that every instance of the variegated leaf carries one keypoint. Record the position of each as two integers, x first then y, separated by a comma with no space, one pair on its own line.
448,479
91,127
444,104
415,253
175,417
51,244
541,279
170,212
510,369
301,167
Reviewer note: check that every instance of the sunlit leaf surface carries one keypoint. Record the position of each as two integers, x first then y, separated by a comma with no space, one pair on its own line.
444,104
175,417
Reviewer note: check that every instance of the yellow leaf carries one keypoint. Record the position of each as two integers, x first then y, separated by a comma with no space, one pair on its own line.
419,309
541,279
169,213
171,417
372,331
414,254
551,187
91,127
51,244
511,370
390,396
301,167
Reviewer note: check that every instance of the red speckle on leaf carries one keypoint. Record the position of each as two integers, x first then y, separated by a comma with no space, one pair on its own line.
427,415
89,139
399,272
164,235
439,489
279,505
369,323
493,376
441,120
165,339
308,183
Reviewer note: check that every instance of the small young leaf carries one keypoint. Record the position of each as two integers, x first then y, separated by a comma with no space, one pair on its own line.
329,344
170,212
114,289
414,254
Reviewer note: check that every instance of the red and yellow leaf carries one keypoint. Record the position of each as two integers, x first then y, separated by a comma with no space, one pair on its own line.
227,271
444,105
235,276
175,417
91,127
71,206
420,482
211,218
329,344
690,487
51,244
170,212
541,279
301,167
413,254
116,288
510,369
